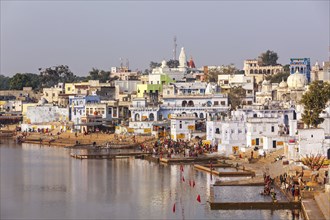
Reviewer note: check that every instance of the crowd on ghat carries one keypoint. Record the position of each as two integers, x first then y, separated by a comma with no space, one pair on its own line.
170,148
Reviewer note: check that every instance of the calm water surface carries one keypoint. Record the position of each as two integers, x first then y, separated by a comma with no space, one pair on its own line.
45,182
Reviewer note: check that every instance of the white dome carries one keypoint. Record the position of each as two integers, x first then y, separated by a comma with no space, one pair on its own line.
296,80
283,84
164,64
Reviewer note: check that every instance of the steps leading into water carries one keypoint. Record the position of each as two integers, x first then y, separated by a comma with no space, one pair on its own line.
323,202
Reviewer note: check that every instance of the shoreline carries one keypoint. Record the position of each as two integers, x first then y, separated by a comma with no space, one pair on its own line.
259,166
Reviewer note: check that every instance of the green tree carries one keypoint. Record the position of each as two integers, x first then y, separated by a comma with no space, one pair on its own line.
314,102
277,78
101,75
212,75
173,63
53,75
20,80
235,97
4,82
269,58
153,65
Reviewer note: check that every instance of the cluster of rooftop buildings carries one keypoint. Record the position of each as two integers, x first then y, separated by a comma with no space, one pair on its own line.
180,103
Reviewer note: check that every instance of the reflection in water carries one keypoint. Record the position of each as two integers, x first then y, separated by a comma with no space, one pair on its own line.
45,182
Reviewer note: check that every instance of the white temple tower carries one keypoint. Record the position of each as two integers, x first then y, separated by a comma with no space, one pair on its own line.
182,60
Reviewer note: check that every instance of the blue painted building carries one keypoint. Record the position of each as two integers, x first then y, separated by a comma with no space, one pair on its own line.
77,107
303,65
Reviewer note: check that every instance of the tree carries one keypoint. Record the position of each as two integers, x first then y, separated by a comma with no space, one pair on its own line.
101,75
58,74
314,162
314,102
269,58
4,82
20,80
173,63
212,75
153,65
235,96
278,77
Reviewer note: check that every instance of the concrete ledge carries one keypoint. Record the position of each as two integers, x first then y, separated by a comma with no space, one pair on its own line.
238,184
187,160
253,205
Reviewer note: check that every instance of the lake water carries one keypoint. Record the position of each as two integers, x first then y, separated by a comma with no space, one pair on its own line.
45,182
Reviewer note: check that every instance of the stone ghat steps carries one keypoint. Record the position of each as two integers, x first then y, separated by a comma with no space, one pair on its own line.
323,202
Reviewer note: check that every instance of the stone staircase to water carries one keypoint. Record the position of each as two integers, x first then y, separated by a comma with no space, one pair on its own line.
323,202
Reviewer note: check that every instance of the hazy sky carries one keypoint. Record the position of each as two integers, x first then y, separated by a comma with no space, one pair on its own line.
87,34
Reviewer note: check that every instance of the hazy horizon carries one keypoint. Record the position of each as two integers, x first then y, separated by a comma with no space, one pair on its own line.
87,34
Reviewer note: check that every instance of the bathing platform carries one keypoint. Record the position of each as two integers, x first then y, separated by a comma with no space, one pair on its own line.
229,173
187,160
108,156
254,205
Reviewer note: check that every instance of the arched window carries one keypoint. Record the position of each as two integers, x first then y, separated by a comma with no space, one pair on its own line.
255,115
196,115
217,131
251,71
201,115
209,103
184,103
151,117
137,117
260,71
264,71
191,103
268,71
256,71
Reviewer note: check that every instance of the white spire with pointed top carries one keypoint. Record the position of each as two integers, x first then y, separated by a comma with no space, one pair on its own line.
182,59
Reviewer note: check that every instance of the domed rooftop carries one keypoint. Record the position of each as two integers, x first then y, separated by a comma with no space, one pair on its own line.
283,84
296,80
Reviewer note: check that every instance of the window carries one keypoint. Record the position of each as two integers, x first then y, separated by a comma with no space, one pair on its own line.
180,124
223,103
273,128
217,131
168,92
216,102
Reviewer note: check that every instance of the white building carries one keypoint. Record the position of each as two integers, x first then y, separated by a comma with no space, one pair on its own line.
312,142
228,81
183,126
228,135
142,116
46,113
